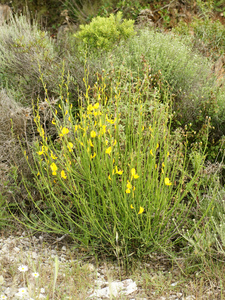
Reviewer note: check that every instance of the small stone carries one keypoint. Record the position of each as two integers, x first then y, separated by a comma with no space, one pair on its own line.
34,255
1,280
63,248
89,267
16,249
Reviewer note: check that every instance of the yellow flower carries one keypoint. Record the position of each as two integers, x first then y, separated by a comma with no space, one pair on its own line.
157,146
89,108
63,174
131,206
120,172
75,127
168,153
134,174
92,156
70,146
53,121
41,152
103,129
93,134
109,177
66,112
141,210
53,156
167,181
129,185
97,113
110,121
163,165
41,132
155,166
108,150
151,152
96,106
90,143
133,191
64,131
54,168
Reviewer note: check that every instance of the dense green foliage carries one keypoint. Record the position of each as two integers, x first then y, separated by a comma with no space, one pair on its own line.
103,33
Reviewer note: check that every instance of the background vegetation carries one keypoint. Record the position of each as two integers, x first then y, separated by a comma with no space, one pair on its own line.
113,132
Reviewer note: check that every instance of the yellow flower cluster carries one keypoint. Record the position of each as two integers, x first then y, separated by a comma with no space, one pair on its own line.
48,156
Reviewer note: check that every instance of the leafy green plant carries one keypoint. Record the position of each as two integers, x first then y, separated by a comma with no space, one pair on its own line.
103,33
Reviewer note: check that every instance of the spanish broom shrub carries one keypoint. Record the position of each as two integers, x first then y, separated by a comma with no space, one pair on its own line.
115,179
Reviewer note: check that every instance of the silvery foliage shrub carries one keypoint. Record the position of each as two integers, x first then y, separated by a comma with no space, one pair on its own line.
187,73
25,51
102,33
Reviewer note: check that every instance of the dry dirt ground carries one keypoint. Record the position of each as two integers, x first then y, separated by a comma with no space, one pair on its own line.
93,278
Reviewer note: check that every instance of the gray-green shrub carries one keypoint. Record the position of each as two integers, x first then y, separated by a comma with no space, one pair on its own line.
188,73
25,51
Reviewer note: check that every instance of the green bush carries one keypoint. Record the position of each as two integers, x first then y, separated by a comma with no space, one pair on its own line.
103,33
